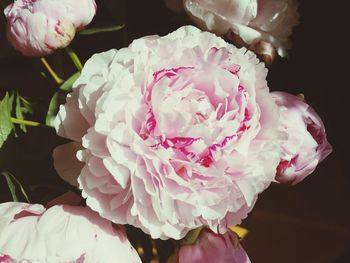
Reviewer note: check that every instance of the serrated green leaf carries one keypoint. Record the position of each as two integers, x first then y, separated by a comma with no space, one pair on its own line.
11,186
91,31
67,85
6,125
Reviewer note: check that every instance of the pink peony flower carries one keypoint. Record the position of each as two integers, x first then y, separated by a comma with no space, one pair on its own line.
252,23
211,247
30,233
39,27
306,145
179,131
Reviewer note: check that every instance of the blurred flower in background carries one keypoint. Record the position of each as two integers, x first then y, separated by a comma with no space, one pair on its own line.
39,27
260,25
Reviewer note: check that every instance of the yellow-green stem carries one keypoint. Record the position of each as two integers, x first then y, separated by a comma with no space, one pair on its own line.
53,74
74,57
25,122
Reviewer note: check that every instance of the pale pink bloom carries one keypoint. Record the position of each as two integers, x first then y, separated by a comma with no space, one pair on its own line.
39,27
211,247
246,22
66,163
179,131
306,145
31,233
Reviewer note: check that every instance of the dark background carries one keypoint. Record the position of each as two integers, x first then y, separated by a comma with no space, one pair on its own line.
307,223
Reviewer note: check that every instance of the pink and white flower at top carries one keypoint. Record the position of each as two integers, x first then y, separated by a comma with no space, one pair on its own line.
255,24
179,131
211,247
306,145
39,27
31,233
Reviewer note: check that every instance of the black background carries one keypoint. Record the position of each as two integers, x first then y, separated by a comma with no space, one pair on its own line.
309,222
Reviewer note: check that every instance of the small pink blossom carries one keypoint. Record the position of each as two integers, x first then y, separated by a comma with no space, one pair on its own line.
246,22
39,27
31,233
211,247
306,145
173,140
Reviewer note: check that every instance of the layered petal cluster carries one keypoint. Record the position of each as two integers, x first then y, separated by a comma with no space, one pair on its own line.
306,145
211,247
31,233
257,24
178,132
39,27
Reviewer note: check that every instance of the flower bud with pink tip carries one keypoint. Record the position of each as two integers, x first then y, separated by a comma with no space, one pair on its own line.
39,27
211,247
306,145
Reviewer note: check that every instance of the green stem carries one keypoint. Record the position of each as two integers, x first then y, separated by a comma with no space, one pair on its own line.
25,122
53,74
74,57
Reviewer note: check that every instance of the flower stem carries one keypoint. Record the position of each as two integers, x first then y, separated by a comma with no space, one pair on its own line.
25,122
74,57
53,74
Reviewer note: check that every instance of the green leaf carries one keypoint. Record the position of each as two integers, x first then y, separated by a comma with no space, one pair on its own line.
6,125
91,31
53,109
11,186
58,98
19,113
10,179
26,106
67,85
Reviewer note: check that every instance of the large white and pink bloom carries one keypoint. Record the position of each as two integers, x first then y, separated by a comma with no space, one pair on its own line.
177,132
31,233
306,145
39,27
212,247
260,25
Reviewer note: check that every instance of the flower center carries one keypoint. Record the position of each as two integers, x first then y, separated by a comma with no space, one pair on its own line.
195,111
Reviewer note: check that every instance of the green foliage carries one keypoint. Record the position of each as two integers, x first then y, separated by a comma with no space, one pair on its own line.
91,31
6,125
54,105
11,180
11,186
67,85
58,98
19,113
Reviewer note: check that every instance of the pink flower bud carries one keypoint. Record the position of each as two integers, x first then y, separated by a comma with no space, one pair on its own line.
39,27
306,144
31,233
212,247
